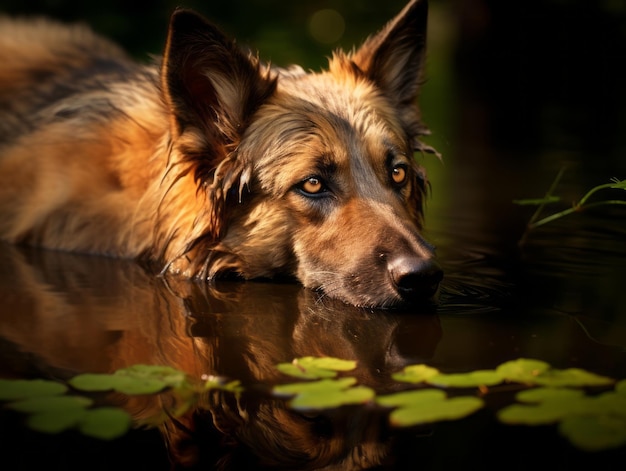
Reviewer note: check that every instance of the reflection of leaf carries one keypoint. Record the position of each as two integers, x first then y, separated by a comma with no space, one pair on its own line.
315,367
105,423
427,406
466,380
11,389
595,433
415,374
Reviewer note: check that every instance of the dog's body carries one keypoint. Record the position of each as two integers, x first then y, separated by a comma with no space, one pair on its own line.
210,162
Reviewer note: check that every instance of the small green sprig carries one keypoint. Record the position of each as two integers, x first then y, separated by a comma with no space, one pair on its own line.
582,204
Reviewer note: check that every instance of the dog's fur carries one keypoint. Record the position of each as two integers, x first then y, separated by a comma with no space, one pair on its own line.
211,162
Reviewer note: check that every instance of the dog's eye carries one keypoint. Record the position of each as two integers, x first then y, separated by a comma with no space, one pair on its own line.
399,174
312,186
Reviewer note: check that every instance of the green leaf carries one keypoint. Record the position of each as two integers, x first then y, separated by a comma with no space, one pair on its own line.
50,403
620,387
594,433
466,380
322,385
331,398
11,389
435,411
296,371
572,377
105,423
522,370
315,367
415,374
549,394
55,420
411,398
545,413
137,379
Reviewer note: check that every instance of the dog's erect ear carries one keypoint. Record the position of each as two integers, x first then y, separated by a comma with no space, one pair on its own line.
393,58
208,82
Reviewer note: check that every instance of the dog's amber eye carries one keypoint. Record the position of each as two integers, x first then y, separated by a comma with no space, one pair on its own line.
398,174
312,185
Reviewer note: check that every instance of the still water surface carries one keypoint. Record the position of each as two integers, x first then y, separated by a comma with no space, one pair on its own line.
558,298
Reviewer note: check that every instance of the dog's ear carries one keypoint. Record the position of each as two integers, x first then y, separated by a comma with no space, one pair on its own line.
212,88
394,60
208,82
394,57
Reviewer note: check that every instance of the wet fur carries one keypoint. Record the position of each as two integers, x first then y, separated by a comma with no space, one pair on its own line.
196,162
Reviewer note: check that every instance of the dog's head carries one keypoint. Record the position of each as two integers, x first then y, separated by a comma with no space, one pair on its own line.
310,174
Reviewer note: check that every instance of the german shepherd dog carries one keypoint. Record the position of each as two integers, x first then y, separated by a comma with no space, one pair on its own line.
210,162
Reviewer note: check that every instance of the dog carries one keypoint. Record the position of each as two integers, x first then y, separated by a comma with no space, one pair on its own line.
209,162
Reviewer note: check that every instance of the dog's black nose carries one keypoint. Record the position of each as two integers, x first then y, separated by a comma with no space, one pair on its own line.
414,278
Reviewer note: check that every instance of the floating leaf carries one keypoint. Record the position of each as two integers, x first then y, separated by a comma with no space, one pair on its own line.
315,367
435,411
315,386
411,398
522,370
331,398
296,371
44,404
55,420
325,393
466,380
594,433
105,423
549,394
572,377
137,379
11,389
415,374
620,387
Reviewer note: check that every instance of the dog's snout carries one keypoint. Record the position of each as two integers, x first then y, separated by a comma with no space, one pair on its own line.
415,278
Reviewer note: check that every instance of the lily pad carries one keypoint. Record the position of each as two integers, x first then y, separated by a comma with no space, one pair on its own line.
49,403
11,389
322,385
594,433
572,377
105,423
137,379
415,373
55,420
522,370
435,411
466,380
331,398
315,367
549,394
411,398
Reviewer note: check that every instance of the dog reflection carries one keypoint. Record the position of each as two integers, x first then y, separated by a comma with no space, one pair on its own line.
76,314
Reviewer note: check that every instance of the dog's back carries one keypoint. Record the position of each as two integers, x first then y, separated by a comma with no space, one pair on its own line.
72,104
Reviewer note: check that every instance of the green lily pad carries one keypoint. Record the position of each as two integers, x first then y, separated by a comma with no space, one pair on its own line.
620,387
466,380
415,374
49,403
572,377
11,389
105,423
411,398
522,370
435,411
331,398
315,367
594,433
55,420
549,394
137,379
321,385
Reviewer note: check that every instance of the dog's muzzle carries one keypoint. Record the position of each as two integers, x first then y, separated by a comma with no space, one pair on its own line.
414,278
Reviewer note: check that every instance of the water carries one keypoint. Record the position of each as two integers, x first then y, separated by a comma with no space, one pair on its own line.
558,298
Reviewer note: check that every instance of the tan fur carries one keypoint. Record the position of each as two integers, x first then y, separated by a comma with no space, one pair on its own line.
198,162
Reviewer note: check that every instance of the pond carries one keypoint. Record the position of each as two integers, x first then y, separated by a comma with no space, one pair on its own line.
554,294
